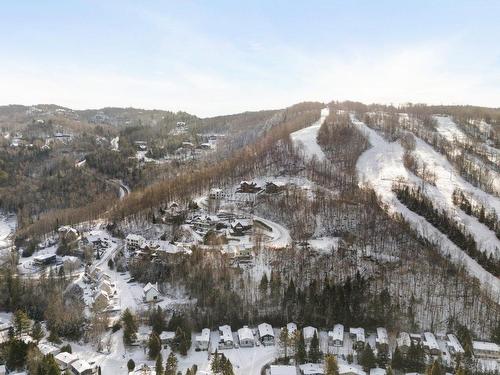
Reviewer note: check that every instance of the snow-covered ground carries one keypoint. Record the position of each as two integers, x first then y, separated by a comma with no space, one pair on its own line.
449,130
7,228
307,137
382,164
115,143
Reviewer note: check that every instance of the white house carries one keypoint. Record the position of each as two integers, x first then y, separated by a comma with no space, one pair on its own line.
382,340
486,350
346,369
266,334
134,241
3,370
166,337
430,343
336,337
64,360
102,298
202,341
151,293
46,349
107,287
283,370
308,333
226,340
377,371
358,337
216,193
245,337
81,367
311,369
404,342
292,328
454,346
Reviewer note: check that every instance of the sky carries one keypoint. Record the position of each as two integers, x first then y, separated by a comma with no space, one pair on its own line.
219,57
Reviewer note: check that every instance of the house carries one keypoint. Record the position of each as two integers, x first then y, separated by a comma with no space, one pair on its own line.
382,340
377,371
202,342
311,369
291,328
134,241
336,337
240,226
266,334
486,350
226,340
68,233
151,293
273,188
3,370
416,338
454,346
64,360
216,194
81,367
282,370
404,342
47,349
166,337
4,331
346,369
107,287
102,298
248,187
358,337
308,333
430,344
44,260
245,337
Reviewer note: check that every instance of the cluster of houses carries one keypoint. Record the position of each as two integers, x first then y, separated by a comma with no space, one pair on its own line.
69,362
140,248
104,289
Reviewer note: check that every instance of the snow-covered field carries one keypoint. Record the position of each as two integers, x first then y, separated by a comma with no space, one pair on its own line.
307,137
382,164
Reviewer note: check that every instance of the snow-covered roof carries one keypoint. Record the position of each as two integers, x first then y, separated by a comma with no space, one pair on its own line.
43,257
81,365
204,337
169,335
47,349
358,332
245,333
485,346
455,344
377,371
283,370
149,287
265,329
291,327
66,358
382,337
346,369
337,333
430,340
403,339
225,333
309,332
311,369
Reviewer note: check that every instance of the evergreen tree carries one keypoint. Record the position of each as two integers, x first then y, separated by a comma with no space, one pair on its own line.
21,322
129,327
37,332
300,348
171,365
154,345
397,359
496,333
367,359
130,365
159,364
314,351
284,342
331,367
389,371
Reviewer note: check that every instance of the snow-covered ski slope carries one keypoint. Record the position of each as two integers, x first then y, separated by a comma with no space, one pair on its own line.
307,137
382,164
